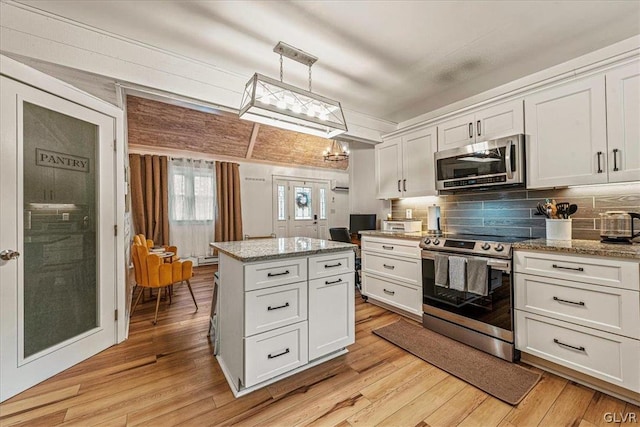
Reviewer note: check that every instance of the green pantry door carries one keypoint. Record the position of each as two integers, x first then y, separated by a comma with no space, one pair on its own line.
57,269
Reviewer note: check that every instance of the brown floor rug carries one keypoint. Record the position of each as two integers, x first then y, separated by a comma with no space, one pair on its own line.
506,381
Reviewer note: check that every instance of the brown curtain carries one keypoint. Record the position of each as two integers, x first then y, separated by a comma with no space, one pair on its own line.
150,196
229,210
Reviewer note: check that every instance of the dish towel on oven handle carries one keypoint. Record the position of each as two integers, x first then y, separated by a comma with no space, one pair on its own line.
441,267
458,273
477,276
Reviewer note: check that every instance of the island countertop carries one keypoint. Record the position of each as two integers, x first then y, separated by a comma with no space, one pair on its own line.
283,247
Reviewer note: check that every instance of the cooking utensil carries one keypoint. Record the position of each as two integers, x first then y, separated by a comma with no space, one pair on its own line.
563,209
572,209
541,209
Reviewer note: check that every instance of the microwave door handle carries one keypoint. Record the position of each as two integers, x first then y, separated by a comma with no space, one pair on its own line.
507,160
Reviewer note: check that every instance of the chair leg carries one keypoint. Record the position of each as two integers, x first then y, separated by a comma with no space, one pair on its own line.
155,319
135,304
192,296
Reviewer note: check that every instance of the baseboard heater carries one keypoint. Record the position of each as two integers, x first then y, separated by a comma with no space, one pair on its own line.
206,260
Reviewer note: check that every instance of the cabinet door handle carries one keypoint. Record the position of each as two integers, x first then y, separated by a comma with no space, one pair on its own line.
389,248
615,160
51,194
599,164
568,302
581,348
399,185
286,304
332,265
389,267
386,291
470,130
568,268
478,128
404,184
273,356
277,274
326,282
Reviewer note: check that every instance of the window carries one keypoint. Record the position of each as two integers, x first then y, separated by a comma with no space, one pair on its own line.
323,204
282,213
303,203
192,194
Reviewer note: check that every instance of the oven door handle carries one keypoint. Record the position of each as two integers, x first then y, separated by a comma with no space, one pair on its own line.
495,264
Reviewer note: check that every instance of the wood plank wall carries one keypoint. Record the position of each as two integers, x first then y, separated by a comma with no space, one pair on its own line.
511,212
157,124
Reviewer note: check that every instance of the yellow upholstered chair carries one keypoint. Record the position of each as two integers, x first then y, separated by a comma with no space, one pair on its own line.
140,239
152,272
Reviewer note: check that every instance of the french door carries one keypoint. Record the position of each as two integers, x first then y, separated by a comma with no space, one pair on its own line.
57,243
301,208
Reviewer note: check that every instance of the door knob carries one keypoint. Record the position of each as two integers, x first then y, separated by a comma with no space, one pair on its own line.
8,254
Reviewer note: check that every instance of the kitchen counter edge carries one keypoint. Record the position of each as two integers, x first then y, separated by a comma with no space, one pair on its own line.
581,247
268,249
413,235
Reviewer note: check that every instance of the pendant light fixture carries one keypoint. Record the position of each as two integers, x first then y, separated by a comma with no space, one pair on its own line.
272,102
336,152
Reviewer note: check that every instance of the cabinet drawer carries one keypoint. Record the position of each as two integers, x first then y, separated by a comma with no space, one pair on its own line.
332,264
267,274
403,296
273,353
599,271
609,357
271,308
609,309
408,270
392,246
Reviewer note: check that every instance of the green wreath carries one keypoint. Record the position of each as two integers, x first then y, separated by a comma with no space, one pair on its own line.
302,201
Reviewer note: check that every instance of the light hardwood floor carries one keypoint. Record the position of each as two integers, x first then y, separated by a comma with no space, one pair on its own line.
166,375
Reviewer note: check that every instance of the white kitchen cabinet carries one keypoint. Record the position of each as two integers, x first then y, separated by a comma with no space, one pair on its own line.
392,274
623,123
274,320
487,123
567,132
404,165
581,312
330,303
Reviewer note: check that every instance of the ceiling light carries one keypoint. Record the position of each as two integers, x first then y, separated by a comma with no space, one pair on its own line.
336,152
272,102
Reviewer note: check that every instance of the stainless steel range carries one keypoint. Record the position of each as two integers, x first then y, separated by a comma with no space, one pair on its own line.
467,290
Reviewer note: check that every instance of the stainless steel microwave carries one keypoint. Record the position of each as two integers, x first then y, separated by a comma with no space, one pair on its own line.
482,164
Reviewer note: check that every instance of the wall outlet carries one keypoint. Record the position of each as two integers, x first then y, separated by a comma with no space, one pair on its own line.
408,213
65,216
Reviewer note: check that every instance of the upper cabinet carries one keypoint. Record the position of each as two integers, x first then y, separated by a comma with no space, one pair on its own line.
567,132
585,132
404,165
623,123
488,123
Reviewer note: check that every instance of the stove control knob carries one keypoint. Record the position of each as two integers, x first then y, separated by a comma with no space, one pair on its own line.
485,246
436,241
499,247
427,241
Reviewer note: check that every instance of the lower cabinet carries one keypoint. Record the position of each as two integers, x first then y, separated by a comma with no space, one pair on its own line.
392,274
580,312
275,320
330,303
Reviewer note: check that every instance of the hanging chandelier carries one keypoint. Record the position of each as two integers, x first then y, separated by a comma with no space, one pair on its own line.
272,102
335,152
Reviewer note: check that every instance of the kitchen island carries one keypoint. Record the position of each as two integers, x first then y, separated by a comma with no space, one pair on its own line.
285,305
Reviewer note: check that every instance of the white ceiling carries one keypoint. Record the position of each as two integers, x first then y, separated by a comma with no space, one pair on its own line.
390,59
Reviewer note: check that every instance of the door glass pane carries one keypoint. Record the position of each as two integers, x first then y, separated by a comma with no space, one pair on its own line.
323,204
282,215
303,203
60,282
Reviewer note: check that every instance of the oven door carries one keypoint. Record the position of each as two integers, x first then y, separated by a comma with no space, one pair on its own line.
491,314
495,162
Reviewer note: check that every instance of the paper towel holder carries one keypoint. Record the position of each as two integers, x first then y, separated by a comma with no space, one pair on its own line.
433,220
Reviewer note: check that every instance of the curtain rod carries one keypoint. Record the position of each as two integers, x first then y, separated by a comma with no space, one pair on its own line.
192,160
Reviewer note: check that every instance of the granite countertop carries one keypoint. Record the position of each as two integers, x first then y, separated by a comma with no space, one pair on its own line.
283,247
414,235
582,247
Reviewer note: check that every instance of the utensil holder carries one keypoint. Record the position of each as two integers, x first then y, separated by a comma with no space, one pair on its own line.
558,229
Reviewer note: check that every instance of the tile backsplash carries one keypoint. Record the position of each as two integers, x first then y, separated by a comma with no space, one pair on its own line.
510,212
